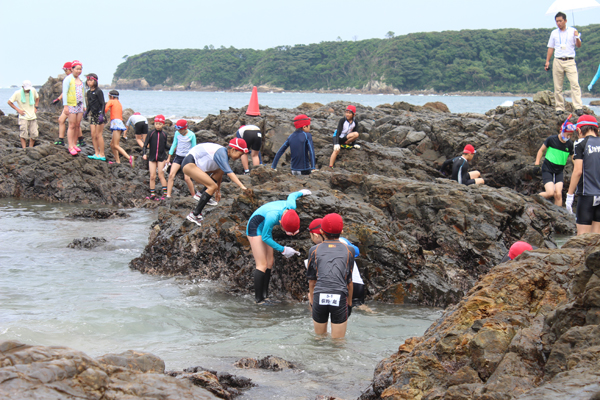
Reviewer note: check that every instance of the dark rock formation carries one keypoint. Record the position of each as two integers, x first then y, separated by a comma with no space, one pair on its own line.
269,362
222,384
86,243
529,329
38,372
103,213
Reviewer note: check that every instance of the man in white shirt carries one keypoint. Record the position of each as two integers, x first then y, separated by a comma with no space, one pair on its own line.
562,43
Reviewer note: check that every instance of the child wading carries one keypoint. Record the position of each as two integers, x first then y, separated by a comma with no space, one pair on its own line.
205,164
156,143
116,126
345,134
184,141
259,231
95,110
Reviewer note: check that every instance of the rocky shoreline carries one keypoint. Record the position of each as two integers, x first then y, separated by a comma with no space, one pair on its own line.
423,238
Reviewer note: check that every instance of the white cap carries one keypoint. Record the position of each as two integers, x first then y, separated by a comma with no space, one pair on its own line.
27,85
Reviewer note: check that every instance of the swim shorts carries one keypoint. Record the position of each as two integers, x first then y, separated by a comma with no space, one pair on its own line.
255,225
141,128
586,211
253,139
334,304
94,118
469,182
551,177
189,159
179,159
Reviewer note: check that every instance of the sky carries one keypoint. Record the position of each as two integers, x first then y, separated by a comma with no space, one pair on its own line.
37,41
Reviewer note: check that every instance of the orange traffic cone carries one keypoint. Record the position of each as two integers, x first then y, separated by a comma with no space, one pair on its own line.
253,106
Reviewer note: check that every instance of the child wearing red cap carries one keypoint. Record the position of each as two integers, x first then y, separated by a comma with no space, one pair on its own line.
345,135
460,168
206,164
557,148
259,231
301,147
184,141
586,177
74,106
116,126
358,285
156,142
139,124
329,277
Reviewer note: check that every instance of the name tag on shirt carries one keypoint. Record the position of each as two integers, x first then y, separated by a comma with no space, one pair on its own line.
596,201
563,46
329,299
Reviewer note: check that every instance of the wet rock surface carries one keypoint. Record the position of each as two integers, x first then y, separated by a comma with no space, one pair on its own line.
103,213
86,243
529,329
269,362
222,384
60,373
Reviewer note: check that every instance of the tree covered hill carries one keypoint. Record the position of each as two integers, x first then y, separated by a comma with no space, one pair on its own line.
503,60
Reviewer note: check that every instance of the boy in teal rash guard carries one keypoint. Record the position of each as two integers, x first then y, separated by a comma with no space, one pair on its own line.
259,232
596,77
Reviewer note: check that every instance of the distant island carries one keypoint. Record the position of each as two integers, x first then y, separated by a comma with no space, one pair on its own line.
496,61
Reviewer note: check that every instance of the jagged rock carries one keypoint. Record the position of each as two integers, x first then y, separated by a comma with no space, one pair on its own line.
135,84
545,97
516,335
269,362
102,213
86,243
222,384
39,372
437,105
595,103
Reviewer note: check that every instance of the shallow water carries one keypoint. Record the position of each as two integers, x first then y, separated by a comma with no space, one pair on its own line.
92,301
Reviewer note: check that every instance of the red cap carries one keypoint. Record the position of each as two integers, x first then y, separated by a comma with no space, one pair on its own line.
181,124
160,118
67,65
76,63
301,120
137,113
239,144
469,149
332,224
351,108
290,222
587,120
517,248
315,226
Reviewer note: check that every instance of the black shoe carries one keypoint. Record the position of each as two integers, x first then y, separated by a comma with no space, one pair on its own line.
80,143
579,112
60,142
558,113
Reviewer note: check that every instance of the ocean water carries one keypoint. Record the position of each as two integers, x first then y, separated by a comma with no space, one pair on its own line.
90,300
200,104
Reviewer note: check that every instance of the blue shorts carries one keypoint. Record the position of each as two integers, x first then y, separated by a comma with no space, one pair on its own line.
178,159
255,226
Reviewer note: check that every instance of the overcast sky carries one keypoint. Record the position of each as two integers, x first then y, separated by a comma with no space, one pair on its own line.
39,35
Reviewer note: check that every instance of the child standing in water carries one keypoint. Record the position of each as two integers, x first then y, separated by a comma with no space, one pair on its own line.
157,139
184,141
116,126
95,110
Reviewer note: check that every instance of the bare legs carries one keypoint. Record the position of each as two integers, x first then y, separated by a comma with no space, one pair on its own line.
62,127
352,136
74,129
255,160
140,140
115,147
476,175
153,166
174,168
553,190
262,252
98,140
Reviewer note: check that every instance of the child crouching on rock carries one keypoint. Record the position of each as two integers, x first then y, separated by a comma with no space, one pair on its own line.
116,126
345,135
157,155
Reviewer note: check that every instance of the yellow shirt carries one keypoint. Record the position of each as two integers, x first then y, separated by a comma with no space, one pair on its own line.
28,108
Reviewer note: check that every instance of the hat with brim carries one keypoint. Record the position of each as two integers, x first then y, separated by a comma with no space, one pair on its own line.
27,85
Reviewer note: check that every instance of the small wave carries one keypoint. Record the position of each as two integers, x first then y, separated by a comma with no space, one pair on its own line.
507,103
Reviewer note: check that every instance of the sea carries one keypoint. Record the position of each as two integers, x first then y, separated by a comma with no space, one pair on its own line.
197,105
